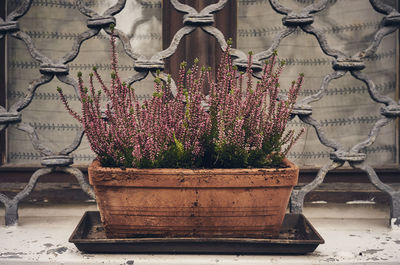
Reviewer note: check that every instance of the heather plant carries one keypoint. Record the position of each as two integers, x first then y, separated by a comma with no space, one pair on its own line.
239,124
248,122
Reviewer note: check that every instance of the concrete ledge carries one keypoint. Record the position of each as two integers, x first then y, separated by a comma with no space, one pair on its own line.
356,233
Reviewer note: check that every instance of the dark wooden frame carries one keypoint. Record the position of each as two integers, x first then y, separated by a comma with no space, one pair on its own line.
198,44
340,185
397,96
3,85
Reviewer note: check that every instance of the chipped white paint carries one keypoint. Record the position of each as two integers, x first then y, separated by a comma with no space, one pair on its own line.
360,202
319,202
357,234
394,226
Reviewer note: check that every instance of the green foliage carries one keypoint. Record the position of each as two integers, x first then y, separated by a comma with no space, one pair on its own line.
230,156
174,157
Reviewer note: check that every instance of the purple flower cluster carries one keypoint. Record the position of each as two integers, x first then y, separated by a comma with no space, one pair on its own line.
252,116
191,129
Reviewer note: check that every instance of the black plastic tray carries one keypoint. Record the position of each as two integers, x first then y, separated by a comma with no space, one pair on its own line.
297,236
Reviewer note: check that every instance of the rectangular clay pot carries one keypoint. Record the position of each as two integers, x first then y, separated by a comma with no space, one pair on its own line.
192,203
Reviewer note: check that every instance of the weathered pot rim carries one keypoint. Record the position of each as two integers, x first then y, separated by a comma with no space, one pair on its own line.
193,178
95,165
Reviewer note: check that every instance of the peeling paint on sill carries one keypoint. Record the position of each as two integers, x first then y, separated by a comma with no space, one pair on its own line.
319,202
360,202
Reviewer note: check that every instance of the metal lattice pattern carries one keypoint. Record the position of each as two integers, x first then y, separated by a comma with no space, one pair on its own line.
292,20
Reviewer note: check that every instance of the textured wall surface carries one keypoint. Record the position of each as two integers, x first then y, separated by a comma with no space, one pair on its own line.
346,112
53,26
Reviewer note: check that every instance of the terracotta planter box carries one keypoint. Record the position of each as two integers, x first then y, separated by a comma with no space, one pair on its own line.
192,203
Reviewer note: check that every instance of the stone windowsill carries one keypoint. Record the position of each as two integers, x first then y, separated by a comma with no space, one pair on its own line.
355,233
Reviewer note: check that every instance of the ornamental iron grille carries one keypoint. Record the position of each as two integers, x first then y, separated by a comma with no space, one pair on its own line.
365,52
